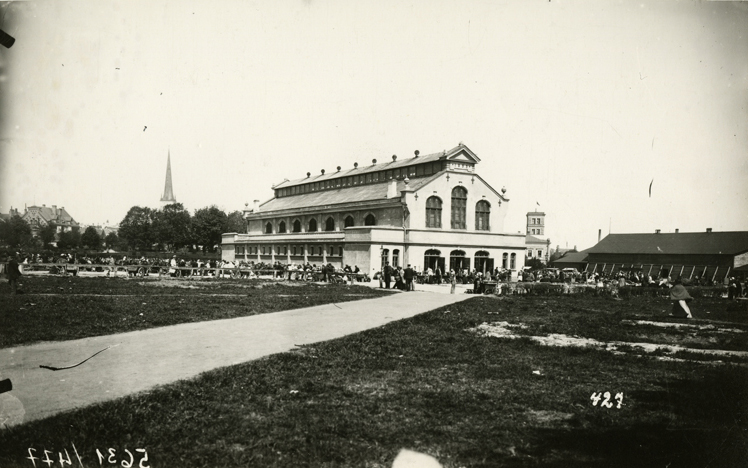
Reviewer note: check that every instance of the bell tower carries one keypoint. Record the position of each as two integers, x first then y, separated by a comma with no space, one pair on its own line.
536,223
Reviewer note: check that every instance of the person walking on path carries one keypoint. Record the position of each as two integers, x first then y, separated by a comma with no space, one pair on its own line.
387,274
13,274
408,275
680,298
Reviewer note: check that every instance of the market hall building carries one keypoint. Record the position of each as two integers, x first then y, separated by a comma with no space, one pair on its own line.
427,211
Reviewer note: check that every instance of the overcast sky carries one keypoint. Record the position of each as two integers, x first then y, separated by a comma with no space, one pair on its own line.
577,106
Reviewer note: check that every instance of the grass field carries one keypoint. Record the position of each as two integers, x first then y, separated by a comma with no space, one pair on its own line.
54,308
436,384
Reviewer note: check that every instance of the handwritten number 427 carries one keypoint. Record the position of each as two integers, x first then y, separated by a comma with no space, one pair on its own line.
596,397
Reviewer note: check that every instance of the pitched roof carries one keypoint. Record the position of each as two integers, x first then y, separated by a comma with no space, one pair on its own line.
381,166
361,193
571,257
55,215
704,243
530,239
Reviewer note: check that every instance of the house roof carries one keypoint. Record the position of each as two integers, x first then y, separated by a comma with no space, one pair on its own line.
694,243
53,214
530,239
443,155
571,258
361,193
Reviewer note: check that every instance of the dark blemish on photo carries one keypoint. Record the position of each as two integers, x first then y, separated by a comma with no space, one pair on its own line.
6,39
5,386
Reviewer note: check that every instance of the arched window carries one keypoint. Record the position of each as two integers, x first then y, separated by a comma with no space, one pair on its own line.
348,221
504,261
312,225
458,261
282,227
433,259
513,262
385,254
340,251
370,220
330,224
482,261
482,214
395,258
269,228
459,207
297,226
433,212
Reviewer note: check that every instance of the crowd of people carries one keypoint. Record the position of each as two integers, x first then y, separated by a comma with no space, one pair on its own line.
65,263
389,276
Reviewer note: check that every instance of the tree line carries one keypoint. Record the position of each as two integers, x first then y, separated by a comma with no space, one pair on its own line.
170,228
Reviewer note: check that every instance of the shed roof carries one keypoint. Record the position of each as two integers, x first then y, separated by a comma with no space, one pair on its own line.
693,243
571,258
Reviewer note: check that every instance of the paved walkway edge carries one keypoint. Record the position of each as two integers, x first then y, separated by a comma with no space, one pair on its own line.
141,360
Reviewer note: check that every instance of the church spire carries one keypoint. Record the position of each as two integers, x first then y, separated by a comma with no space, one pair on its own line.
168,196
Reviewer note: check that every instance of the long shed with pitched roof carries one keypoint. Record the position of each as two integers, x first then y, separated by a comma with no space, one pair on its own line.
712,255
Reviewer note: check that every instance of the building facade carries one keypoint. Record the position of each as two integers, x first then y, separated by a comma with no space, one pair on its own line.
427,211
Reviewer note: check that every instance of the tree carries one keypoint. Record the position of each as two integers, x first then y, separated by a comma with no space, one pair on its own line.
91,238
207,226
137,228
47,234
237,223
70,239
534,263
111,240
172,226
15,232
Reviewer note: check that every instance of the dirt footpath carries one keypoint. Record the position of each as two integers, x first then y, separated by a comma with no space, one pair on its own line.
137,361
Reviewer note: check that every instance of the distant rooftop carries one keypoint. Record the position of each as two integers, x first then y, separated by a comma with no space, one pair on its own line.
706,243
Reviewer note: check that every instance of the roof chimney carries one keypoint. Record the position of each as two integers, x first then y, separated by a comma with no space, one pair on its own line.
392,189
708,229
257,206
599,233
355,165
323,172
417,153
373,161
676,230
657,231
308,174
394,157
338,168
